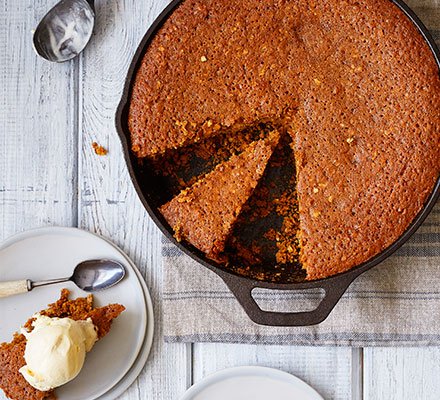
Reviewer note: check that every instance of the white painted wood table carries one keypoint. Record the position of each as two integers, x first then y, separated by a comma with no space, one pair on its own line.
49,175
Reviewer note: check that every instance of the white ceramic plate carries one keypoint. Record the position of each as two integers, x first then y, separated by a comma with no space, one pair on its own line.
54,252
251,383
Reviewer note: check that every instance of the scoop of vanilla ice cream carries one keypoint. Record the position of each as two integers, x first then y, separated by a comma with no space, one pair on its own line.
55,350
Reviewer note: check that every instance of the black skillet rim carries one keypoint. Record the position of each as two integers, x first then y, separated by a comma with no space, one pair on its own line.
344,278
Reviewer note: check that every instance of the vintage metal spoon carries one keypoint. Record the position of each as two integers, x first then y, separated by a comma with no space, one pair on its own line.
90,275
65,30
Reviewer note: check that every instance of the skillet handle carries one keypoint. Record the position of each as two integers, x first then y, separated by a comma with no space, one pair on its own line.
334,288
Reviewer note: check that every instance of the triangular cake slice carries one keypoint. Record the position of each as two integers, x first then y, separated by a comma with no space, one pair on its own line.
12,354
204,213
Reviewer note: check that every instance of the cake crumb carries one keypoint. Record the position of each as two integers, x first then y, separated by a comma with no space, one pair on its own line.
99,150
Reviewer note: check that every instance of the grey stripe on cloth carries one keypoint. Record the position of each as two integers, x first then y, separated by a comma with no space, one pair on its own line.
276,297
396,303
342,339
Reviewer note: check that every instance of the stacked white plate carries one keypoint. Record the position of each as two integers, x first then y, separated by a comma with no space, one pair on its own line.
115,361
251,383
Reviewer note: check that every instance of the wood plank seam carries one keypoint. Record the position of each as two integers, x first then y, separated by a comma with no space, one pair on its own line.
79,128
189,365
76,150
357,372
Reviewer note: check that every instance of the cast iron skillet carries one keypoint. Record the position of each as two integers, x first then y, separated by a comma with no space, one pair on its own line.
240,286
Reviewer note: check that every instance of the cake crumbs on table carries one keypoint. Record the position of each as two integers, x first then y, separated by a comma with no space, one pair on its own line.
99,150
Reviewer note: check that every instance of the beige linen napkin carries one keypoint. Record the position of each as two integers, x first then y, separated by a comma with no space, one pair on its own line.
395,303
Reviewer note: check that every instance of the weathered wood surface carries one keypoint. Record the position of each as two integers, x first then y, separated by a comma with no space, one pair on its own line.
49,175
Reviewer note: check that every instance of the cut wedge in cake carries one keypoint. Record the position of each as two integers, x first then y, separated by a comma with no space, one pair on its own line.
12,355
204,213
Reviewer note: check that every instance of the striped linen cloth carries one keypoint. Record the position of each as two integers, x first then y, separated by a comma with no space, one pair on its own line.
396,303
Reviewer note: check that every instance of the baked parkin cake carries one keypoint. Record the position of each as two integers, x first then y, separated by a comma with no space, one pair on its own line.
353,81
12,354
204,213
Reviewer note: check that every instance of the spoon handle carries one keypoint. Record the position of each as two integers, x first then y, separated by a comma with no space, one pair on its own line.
48,282
14,287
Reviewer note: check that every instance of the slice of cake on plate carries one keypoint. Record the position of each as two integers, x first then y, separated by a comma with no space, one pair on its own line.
51,349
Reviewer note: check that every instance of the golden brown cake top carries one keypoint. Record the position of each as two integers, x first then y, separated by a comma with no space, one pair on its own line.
358,81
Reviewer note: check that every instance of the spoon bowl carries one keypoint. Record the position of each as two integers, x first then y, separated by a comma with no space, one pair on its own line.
93,275
65,30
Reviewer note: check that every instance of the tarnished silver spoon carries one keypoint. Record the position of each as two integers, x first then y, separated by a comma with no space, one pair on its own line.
65,30
90,275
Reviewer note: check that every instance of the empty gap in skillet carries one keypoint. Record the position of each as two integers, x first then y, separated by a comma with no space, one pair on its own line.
263,244
259,246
